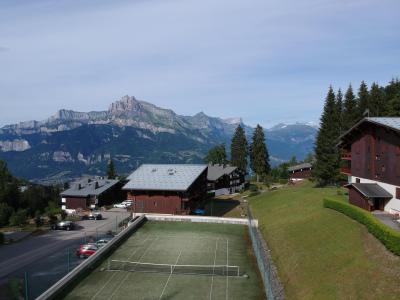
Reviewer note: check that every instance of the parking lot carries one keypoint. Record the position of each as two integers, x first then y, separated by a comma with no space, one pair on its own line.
49,257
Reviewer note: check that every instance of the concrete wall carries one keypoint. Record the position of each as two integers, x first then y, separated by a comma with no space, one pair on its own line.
197,219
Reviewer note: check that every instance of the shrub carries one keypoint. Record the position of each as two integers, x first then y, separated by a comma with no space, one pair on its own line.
388,236
253,188
5,213
19,218
252,194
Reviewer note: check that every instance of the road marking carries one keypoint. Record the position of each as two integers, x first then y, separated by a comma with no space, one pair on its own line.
169,277
109,280
215,258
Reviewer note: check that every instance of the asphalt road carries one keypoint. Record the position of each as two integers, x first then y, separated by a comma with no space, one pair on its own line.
48,257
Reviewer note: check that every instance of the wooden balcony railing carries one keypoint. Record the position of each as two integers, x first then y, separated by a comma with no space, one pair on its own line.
346,155
345,170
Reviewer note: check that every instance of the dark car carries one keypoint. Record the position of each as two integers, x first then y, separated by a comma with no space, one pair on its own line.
64,225
93,216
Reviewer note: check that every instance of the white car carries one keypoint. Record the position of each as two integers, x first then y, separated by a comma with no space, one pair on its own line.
120,205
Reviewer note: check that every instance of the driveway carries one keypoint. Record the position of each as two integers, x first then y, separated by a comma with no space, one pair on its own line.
50,256
387,219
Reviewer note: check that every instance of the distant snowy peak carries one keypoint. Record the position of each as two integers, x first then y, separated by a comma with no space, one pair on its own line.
292,125
233,121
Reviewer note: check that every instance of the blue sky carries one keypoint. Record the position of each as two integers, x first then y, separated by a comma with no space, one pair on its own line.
265,61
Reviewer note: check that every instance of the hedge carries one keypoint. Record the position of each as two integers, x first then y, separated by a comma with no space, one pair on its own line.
388,236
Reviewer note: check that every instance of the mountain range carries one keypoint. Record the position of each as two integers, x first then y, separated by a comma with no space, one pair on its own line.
70,144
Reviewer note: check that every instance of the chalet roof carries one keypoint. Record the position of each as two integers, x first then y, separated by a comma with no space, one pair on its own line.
168,177
388,122
216,171
89,187
371,190
299,167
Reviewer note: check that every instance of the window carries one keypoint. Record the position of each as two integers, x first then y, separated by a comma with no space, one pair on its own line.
358,180
397,193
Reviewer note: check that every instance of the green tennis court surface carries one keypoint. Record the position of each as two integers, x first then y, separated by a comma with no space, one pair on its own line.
175,260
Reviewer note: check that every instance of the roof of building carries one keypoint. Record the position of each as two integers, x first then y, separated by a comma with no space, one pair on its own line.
299,167
92,186
216,171
169,177
371,190
388,122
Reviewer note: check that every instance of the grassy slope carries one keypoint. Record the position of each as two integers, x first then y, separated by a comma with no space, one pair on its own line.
320,253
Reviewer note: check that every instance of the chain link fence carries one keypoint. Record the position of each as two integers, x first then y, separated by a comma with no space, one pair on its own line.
269,274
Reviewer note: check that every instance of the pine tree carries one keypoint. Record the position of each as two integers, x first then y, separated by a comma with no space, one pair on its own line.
259,157
239,149
326,168
362,100
111,174
394,106
339,110
350,111
216,155
377,104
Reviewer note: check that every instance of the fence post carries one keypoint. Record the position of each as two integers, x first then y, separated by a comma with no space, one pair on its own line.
68,260
26,286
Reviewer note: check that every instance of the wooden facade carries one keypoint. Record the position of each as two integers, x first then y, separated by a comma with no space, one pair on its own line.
301,171
170,202
370,152
230,182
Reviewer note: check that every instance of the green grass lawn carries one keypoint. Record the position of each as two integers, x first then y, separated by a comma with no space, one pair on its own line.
320,253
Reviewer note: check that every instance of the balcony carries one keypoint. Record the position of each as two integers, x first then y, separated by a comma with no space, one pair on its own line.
345,170
346,155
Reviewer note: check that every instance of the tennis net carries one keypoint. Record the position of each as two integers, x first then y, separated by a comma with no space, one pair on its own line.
132,266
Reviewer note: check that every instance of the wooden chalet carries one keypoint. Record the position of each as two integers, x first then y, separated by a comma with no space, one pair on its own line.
91,193
300,172
167,189
224,180
370,153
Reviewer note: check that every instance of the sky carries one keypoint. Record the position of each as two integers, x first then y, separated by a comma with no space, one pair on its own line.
267,61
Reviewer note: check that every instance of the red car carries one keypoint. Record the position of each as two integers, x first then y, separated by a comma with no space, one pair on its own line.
84,251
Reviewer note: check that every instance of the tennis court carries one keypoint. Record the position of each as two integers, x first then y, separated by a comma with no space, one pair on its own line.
177,260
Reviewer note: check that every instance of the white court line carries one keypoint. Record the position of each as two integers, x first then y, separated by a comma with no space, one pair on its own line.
215,258
109,280
227,268
127,274
169,277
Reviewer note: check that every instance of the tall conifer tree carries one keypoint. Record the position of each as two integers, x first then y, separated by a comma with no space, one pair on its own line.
362,99
239,149
259,157
378,105
326,168
111,174
217,155
394,106
339,110
350,111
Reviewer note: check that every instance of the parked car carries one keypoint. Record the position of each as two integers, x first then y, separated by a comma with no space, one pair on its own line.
102,242
86,250
198,212
95,216
120,205
124,204
64,225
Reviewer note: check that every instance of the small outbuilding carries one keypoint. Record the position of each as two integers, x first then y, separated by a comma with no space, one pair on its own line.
167,188
300,172
91,193
224,179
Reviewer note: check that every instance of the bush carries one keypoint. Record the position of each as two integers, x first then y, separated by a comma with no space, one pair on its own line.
5,213
253,188
19,218
388,236
252,194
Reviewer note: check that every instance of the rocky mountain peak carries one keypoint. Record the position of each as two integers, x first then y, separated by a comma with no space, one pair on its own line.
126,103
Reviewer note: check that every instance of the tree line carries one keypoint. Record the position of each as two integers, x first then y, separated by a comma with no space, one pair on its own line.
340,113
20,200
241,153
